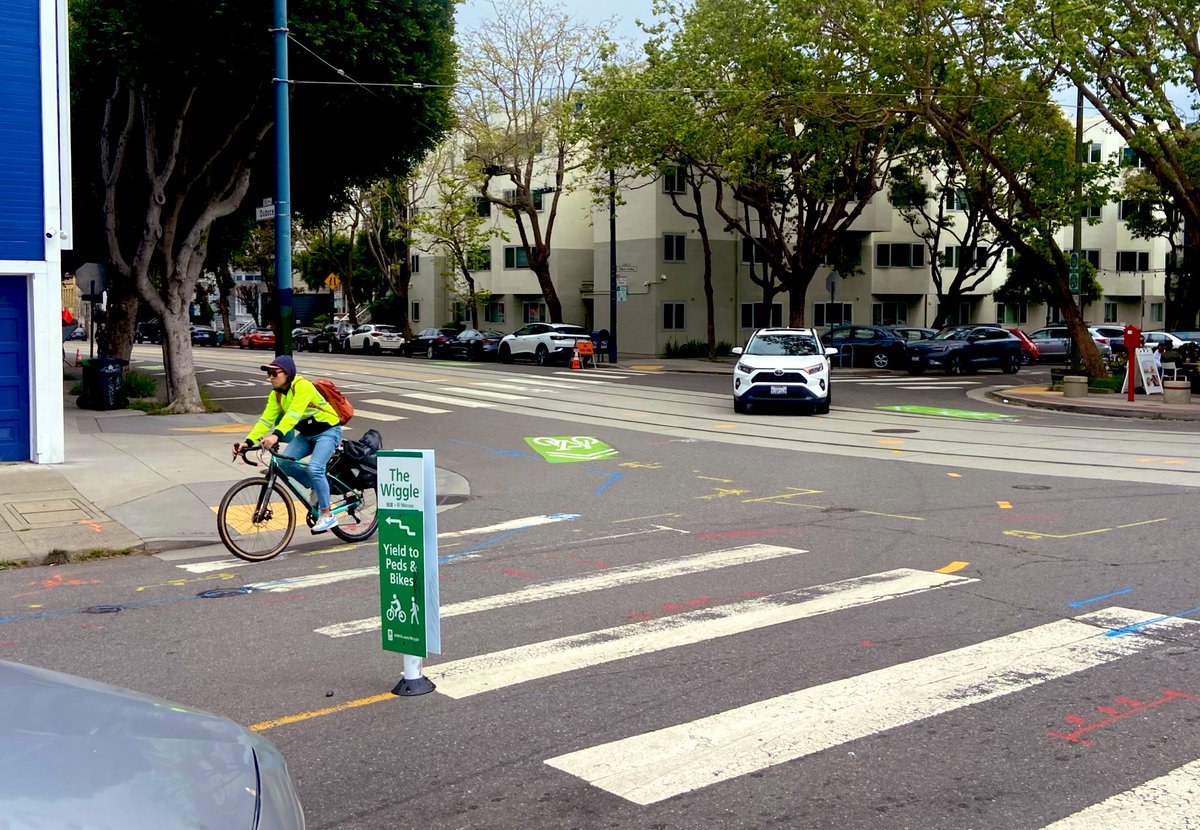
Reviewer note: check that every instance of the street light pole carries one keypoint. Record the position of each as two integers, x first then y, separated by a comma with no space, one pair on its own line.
283,187
612,266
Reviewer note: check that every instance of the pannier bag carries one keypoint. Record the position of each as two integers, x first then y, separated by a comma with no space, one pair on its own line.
355,465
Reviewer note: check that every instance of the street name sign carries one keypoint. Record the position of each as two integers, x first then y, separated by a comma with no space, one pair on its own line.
408,560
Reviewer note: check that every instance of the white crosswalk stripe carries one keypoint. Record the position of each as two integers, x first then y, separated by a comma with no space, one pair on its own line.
1166,803
657,765
599,581
411,407
474,675
426,396
376,416
487,393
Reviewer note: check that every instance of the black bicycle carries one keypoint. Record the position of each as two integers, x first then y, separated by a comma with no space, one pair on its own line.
257,516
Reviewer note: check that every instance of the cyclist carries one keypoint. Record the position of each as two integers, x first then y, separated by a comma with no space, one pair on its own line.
298,415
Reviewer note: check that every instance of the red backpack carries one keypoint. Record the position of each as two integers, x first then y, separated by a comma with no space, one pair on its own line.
333,396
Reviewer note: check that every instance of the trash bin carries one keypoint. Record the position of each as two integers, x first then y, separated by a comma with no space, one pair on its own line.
103,381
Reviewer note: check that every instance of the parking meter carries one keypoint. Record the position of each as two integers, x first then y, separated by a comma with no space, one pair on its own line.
1133,342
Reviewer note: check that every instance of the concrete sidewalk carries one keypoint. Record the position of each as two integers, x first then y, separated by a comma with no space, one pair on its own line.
131,481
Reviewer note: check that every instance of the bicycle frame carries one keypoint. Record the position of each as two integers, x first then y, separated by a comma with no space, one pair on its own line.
276,473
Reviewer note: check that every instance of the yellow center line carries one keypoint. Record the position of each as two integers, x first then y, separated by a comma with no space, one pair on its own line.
952,567
262,726
1004,505
1147,522
890,440
954,475
724,426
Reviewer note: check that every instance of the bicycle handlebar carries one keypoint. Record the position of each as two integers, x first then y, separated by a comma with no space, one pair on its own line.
245,451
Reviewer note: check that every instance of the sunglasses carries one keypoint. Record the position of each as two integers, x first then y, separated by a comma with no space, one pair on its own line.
274,372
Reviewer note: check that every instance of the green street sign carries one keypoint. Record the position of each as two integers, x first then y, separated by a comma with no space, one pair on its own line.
1073,282
409,605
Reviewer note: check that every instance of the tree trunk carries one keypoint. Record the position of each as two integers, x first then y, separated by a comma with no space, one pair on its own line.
120,319
553,305
182,389
1081,338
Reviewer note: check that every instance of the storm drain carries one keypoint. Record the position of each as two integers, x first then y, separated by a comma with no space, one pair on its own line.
102,609
217,593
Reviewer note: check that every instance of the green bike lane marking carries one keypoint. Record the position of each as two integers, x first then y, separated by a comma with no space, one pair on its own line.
560,449
945,412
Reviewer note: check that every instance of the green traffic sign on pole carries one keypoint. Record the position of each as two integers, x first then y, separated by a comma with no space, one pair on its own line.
408,561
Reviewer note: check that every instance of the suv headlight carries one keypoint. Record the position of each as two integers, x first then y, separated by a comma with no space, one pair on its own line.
745,368
812,370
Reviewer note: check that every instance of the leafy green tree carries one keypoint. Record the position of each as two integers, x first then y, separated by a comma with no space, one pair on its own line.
177,98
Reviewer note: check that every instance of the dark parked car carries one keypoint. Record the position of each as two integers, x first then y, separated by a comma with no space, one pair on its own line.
861,345
304,338
470,344
427,341
83,754
332,338
911,333
148,332
204,336
959,349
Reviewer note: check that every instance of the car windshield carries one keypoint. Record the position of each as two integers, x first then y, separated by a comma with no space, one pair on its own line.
791,345
952,334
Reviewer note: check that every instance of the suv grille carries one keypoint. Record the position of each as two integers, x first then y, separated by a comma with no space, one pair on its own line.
771,377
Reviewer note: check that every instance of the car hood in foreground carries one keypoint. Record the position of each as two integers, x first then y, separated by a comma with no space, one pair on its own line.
82,754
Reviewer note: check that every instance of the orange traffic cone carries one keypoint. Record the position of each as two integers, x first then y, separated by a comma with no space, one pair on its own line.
575,364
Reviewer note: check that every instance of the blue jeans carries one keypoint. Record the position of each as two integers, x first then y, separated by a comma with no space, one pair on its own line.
319,449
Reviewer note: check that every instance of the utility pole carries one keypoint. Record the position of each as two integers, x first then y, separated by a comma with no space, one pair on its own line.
612,265
284,316
1075,285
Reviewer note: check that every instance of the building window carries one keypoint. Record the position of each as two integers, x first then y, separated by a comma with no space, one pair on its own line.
1129,158
539,199
459,313
515,257
416,263
1092,255
957,199
1129,208
483,206
754,318
1133,260
886,314
1012,314
674,179
534,312
959,315
673,247
956,255
672,315
1092,153
493,312
1156,312
1110,312
416,312
752,253
900,255
1091,212
479,259
831,314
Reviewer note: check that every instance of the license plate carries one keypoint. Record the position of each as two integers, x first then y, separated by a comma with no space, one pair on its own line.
915,359
778,390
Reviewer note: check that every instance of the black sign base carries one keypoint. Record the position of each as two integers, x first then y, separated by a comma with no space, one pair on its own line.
412,688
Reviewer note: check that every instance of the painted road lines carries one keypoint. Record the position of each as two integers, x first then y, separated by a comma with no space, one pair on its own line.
657,765
569,378
502,669
425,396
599,581
500,396
376,416
1166,801
211,567
411,407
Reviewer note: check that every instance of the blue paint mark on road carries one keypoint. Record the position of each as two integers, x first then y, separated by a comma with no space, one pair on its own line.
1080,602
513,453
1136,627
612,479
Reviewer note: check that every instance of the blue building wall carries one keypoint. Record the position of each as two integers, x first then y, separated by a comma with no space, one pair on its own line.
22,212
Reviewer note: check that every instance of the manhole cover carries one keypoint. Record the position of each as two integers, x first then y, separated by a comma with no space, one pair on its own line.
1030,487
896,431
102,609
223,592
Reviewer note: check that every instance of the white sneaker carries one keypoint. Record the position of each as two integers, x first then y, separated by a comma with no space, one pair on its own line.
324,523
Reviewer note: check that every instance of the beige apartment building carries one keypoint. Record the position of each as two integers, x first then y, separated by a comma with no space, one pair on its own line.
659,264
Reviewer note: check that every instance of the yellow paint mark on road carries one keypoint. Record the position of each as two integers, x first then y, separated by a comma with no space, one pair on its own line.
893,515
655,516
1155,460
1139,524
632,414
233,428
1004,505
890,440
38,605
797,491
722,492
340,549
639,465
262,726
712,478
897,452
954,475
177,582
1035,534
654,368
724,426
952,567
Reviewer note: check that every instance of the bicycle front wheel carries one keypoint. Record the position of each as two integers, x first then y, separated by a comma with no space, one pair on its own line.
256,522
358,524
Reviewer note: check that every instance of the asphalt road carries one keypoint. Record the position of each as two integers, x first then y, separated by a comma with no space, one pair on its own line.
868,619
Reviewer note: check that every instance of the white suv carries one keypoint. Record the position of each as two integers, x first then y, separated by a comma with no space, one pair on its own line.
374,338
783,366
543,342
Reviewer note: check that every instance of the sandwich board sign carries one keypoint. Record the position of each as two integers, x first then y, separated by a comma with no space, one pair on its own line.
409,609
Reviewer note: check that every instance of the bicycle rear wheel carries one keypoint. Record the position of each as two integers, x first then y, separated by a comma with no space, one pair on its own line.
360,522
256,523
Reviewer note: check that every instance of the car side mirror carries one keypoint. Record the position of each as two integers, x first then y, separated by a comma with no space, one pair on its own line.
736,350
830,351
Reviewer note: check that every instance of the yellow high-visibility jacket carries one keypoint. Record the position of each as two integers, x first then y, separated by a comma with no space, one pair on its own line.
284,410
